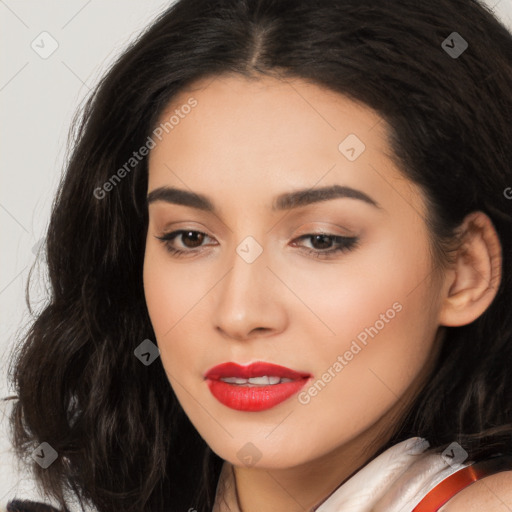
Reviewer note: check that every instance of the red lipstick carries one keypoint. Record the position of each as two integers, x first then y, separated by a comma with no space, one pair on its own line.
254,387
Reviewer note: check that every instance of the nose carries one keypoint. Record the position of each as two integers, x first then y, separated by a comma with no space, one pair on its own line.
247,301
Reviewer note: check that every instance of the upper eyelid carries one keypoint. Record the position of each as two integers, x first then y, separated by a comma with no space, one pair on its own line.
350,231
179,232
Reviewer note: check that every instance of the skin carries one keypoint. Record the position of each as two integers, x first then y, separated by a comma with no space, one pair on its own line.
245,143
493,494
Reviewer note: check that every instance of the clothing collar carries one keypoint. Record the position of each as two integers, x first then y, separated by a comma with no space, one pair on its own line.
394,481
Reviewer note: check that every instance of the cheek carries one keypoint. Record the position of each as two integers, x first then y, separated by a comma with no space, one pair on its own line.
384,333
175,294
168,297
171,289
372,304
160,291
364,373
352,293
357,383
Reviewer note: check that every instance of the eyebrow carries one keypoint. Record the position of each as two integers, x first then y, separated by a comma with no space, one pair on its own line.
286,201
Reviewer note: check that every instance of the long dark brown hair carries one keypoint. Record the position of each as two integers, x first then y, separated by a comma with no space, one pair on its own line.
123,440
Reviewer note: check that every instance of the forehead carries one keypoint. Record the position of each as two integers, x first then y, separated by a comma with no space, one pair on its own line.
269,133
245,110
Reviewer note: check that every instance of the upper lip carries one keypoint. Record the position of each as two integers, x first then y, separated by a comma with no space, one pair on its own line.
257,369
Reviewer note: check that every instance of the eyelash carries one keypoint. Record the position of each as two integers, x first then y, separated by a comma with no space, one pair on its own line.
345,244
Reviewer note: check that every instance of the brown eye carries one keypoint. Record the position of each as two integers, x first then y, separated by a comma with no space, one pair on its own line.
321,241
194,237
324,245
189,239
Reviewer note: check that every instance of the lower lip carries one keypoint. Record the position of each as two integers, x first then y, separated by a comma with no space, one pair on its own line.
255,398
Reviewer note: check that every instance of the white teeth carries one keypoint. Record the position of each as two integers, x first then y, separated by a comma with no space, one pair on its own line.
264,380
234,380
256,381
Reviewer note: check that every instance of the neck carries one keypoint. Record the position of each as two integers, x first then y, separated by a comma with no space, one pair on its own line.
299,488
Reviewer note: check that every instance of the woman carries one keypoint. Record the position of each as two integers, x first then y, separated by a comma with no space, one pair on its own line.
281,267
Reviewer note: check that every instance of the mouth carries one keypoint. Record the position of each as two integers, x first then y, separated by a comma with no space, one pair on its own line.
255,387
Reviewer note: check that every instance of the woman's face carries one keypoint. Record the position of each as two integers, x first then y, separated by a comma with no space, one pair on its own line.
254,283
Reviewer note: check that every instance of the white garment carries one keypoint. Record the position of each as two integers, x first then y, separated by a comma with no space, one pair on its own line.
395,481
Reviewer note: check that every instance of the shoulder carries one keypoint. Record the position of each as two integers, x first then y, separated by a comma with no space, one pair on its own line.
29,506
492,494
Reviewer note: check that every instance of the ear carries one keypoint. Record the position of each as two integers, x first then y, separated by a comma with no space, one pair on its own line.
473,281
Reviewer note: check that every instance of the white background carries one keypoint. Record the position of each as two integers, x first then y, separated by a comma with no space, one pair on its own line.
38,98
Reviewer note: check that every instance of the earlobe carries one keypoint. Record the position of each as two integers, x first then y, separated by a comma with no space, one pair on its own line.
476,274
